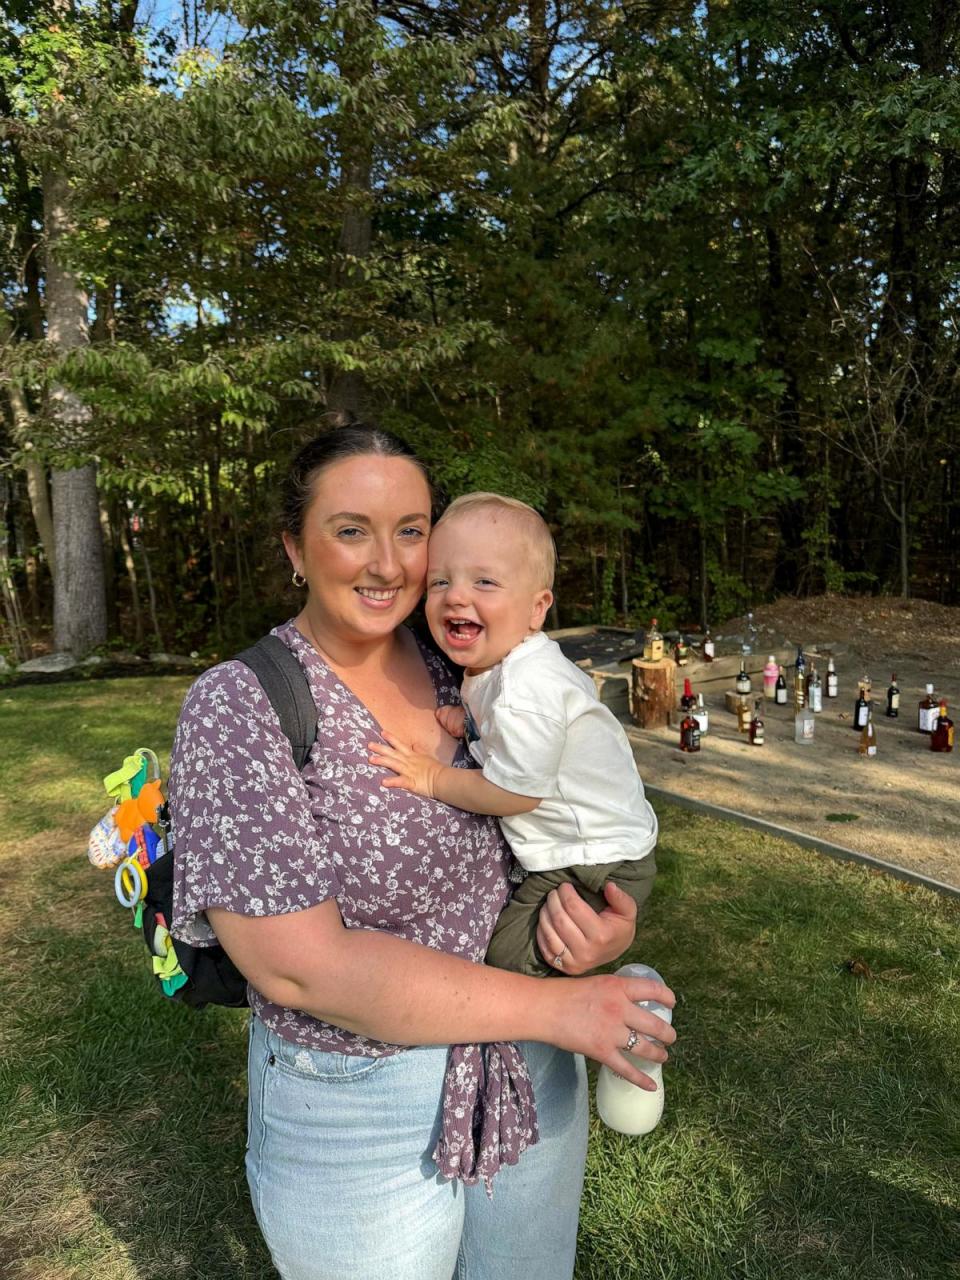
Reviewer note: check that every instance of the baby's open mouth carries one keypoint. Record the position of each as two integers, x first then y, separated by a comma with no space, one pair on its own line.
462,629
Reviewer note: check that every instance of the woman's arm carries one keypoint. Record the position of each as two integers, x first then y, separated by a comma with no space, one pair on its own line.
378,985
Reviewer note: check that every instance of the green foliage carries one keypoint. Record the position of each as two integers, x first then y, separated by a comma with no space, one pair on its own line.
684,281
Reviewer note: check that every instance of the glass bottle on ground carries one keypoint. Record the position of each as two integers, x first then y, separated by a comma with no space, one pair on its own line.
868,737
893,697
927,711
941,739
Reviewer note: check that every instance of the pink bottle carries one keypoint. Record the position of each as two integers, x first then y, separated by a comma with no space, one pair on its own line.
770,673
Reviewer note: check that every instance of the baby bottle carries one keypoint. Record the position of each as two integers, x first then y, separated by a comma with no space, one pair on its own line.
624,1106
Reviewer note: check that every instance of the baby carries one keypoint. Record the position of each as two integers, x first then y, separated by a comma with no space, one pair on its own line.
556,765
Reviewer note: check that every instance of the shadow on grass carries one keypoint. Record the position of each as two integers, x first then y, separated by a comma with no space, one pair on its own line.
812,1127
124,1114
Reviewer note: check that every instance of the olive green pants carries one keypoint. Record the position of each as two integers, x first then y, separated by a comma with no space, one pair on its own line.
514,942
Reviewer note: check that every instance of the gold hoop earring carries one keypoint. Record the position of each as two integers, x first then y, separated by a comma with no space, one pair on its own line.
298,579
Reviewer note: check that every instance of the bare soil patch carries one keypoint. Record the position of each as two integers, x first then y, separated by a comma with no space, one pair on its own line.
902,807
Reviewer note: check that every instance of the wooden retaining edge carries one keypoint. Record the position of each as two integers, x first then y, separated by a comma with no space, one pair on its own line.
837,851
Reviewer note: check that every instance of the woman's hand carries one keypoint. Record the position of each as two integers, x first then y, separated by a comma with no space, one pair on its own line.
574,938
595,1016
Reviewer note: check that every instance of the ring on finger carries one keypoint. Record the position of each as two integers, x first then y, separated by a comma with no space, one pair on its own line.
632,1039
557,960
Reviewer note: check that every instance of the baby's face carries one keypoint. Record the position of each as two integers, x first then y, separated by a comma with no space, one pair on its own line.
482,596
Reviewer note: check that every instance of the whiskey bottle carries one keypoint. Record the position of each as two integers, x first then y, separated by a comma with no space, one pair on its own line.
701,716
709,649
681,652
893,697
814,690
803,721
653,644
756,726
743,680
743,714
927,710
942,737
861,708
687,701
689,734
868,737
831,679
780,690
801,662
770,673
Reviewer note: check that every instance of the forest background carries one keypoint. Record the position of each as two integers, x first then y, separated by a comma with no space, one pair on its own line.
685,276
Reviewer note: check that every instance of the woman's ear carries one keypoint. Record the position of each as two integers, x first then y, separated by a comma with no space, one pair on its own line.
541,603
292,548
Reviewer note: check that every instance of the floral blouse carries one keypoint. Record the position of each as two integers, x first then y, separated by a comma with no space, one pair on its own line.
255,836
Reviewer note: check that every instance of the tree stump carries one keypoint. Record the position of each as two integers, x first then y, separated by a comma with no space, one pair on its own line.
654,692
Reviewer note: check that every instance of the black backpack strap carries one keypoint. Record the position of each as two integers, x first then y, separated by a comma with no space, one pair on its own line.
285,683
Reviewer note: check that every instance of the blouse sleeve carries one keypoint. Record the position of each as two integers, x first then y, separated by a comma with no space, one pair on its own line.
244,835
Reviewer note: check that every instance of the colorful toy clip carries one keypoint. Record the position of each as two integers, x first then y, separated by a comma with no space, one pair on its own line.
127,782
130,883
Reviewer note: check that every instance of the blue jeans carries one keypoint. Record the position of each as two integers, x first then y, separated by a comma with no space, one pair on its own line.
339,1167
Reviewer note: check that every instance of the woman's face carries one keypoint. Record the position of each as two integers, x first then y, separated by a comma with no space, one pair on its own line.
363,547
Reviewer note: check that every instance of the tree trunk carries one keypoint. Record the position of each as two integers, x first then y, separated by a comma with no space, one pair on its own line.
348,393
904,546
79,599
37,490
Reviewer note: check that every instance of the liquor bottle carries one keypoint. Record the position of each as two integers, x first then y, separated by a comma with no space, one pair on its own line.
756,726
801,662
653,644
681,652
621,1105
927,710
709,649
799,689
743,680
770,673
868,736
743,714
803,721
781,689
814,690
701,716
689,734
861,708
688,701
831,679
893,697
750,637
942,737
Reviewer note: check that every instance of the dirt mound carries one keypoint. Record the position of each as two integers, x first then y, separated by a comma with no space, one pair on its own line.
876,628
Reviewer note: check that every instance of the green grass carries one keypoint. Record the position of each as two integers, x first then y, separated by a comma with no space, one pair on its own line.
812,1127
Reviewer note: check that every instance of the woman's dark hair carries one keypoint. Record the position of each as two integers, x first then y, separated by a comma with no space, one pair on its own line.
354,440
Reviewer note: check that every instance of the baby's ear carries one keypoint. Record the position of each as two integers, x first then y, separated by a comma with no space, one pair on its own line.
541,603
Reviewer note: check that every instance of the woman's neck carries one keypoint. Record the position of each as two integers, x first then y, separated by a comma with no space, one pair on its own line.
346,653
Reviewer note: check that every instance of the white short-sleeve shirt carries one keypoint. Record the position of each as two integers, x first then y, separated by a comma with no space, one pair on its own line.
542,731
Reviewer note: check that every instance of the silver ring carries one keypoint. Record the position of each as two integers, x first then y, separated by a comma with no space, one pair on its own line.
632,1039
557,961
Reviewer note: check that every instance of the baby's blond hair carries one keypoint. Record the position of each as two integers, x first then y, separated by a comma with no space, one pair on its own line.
529,523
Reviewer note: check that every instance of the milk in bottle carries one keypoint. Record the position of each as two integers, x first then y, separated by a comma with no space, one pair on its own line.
624,1106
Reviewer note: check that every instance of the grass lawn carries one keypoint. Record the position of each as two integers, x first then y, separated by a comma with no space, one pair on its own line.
812,1127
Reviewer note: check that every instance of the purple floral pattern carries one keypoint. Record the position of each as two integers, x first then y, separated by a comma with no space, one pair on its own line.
256,837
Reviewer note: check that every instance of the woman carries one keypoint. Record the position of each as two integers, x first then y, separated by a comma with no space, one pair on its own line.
360,917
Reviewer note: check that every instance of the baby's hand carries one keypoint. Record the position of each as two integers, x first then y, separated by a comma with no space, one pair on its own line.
452,719
415,770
